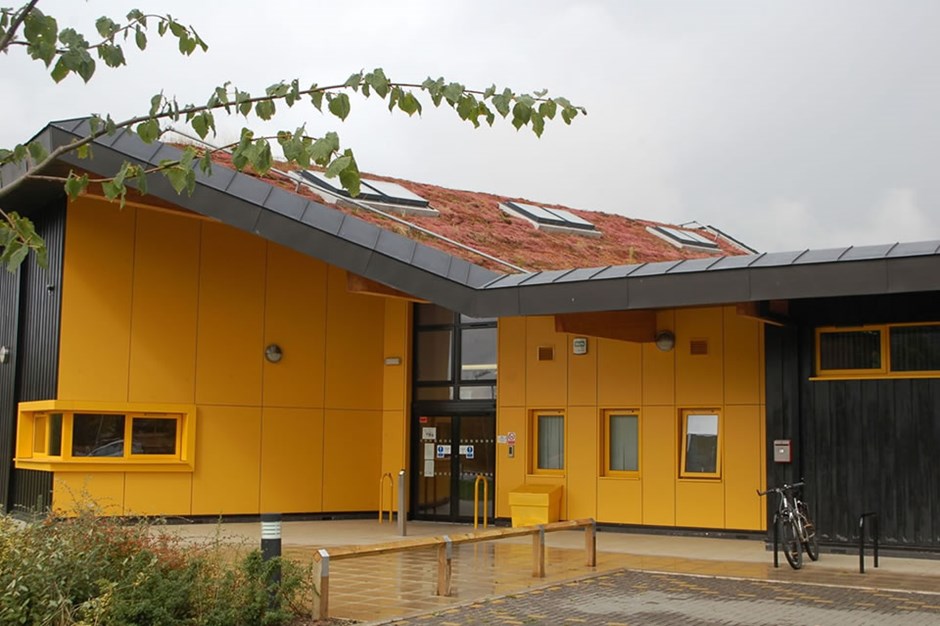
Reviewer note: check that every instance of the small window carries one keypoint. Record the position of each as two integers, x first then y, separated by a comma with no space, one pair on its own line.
701,444
622,443
850,350
915,348
154,435
549,439
97,434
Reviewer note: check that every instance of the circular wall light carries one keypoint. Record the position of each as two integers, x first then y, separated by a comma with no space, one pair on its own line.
273,353
665,340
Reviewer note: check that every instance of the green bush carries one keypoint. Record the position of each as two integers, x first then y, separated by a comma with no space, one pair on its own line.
89,570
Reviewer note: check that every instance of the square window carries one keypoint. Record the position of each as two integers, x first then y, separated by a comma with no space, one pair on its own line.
97,434
701,444
549,442
622,442
915,348
153,435
850,350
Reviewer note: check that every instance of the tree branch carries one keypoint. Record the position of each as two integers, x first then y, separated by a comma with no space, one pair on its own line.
18,19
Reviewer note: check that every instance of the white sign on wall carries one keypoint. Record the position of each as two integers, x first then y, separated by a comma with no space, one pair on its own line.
429,433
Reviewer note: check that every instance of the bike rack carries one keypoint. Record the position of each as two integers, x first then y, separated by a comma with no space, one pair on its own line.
391,488
776,540
861,539
476,500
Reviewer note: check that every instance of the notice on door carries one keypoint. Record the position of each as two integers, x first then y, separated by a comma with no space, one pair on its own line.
467,451
443,451
428,433
428,451
428,468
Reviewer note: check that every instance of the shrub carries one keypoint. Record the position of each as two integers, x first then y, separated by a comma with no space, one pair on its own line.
101,571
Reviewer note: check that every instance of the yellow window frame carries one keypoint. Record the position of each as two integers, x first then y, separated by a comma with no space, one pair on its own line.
33,420
606,440
534,429
886,370
683,443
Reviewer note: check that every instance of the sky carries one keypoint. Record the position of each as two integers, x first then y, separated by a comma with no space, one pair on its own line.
788,124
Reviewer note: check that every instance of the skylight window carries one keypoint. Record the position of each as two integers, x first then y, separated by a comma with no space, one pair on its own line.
551,219
682,238
374,192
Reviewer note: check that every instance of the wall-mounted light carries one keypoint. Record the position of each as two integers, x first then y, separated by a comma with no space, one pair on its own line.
273,353
4,354
665,340
393,360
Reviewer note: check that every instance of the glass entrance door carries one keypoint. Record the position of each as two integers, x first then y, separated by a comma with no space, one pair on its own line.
450,453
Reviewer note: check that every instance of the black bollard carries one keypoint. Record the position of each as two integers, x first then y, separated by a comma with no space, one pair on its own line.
271,548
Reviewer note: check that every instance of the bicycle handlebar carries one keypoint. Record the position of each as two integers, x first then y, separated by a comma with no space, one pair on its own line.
782,488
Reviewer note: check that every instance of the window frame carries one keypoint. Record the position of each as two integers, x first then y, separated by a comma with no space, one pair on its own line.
683,444
534,442
606,440
33,414
885,371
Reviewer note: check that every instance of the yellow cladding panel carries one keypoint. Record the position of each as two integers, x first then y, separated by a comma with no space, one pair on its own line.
512,361
582,462
291,460
295,320
397,344
699,376
228,458
659,368
510,472
700,503
354,344
394,442
742,358
659,466
163,323
620,500
582,372
231,317
619,373
103,492
158,494
96,301
352,455
743,466
546,363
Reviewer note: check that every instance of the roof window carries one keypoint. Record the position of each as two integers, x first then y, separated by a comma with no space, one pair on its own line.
682,238
551,219
375,193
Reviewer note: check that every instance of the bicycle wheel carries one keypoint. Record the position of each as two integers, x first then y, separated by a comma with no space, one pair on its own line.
790,539
809,533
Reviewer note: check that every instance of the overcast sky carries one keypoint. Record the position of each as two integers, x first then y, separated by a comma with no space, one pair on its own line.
789,124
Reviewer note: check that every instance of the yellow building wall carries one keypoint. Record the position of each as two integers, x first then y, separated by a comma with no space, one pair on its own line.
165,307
619,375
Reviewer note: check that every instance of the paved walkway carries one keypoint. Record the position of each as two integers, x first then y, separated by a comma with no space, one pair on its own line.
687,580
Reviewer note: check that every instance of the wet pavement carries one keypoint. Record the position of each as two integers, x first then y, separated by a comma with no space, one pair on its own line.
638,579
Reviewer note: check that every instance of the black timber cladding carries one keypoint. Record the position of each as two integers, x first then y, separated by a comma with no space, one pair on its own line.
343,240
34,297
860,445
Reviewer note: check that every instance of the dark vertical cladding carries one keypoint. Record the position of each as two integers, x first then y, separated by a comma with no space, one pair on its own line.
861,445
9,311
38,343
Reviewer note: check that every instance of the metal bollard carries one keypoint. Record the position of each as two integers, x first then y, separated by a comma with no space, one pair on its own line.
402,512
271,542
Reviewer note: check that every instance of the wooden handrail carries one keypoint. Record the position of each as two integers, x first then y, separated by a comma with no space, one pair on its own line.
444,545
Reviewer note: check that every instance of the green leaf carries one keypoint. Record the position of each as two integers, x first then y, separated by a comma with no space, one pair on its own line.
37,151
538,124
378,81
17,255
156,102
178,177
148,131
140,38
76,185
265,109
337,166
113,56
467,108
452,92
339,105
141,181
547,109
521,113
502,102
202,123
323,148
354,81
242,100
105,26
60,70
349,175
316,98
83,151
409,103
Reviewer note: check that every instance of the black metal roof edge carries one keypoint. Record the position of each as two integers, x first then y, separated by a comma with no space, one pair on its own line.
474,290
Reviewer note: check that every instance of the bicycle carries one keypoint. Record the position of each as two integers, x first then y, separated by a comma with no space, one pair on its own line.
797,531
